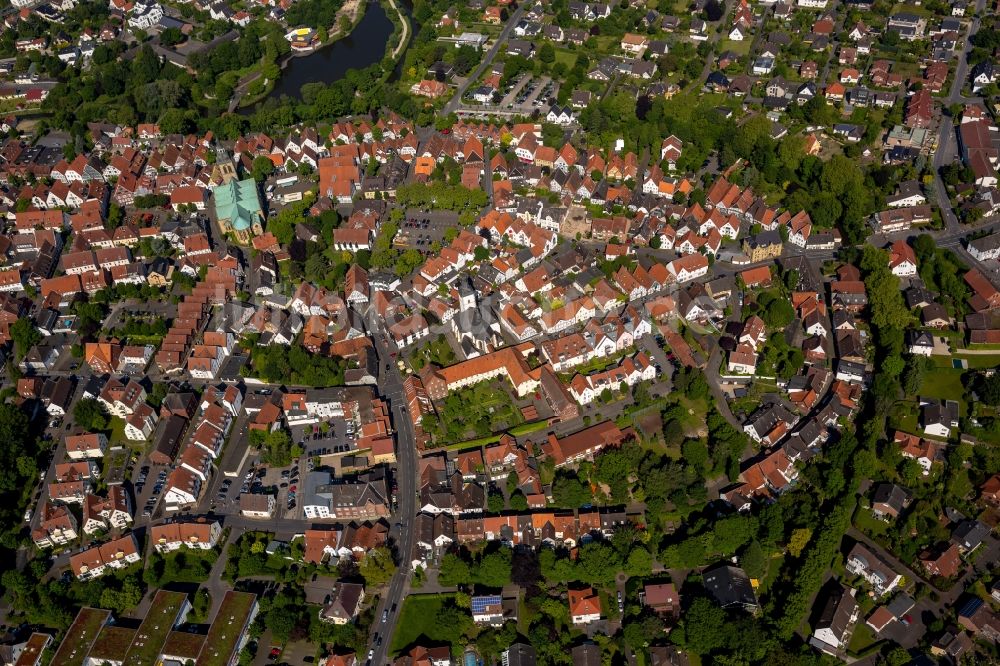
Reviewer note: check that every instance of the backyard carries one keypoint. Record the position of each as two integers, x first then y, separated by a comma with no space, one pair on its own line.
419,618
477,411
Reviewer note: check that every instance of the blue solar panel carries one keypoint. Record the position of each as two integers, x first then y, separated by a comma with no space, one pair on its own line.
479,604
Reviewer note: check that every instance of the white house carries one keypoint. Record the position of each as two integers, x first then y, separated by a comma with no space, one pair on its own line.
145,16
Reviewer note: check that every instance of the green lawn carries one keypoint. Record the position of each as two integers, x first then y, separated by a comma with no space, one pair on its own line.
418,619
904,416
868,523
862,638
522,429
117,436
944,383
740,47
979,361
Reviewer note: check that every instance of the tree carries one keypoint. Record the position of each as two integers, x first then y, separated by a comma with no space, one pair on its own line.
25,336
729,534
639,562
377,567
885,299
90,415
695,453
753,560
518,502
495,502
547,53
800,539
987,388
569,491
598,563
703,627
262,168
494,569
454,571
14,435
280,623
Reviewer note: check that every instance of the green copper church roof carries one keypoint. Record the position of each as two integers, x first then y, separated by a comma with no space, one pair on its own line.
237,201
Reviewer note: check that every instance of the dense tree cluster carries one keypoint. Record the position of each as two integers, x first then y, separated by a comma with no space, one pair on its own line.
441,196
295,365
491,569
276,446
313,13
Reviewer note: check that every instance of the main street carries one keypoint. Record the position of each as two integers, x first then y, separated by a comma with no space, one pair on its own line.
946,150
401,532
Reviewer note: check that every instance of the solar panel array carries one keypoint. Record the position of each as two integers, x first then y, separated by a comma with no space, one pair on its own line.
481,604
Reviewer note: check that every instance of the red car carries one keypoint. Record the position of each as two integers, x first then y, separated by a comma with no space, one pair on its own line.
275,653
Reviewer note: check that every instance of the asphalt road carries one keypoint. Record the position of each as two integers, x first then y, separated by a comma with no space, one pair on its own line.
401,532
456,99
947,150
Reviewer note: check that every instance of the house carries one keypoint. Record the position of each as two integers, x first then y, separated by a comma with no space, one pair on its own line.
902,259
986,247
982,74
257,505
833,629
199,534
990,490
945,564
924,451
978,617
487,609
889,500
920,343
343,604
762,247
104,513
662,599
731,587
670,151
634,44
969,535
939,416
584,606
57,526
862,562
86,446
98,560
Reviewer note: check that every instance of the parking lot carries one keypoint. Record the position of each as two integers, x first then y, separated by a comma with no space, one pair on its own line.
282,482
148,486
419,230
334,436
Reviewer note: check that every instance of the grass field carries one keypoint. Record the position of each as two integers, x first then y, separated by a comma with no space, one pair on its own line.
418,619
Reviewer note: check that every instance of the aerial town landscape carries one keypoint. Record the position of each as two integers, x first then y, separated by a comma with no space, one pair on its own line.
435,332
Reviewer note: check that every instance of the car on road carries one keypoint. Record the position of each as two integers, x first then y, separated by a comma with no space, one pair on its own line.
378,641
621,602
371,653
385,616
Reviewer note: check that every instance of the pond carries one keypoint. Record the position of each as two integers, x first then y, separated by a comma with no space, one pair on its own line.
363,47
